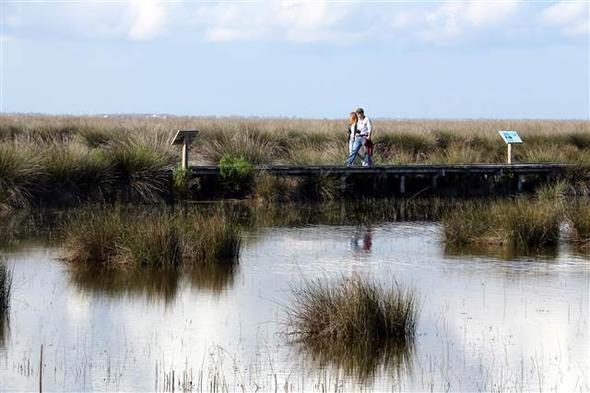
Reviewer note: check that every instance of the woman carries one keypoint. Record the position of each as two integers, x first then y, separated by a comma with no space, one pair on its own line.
352,130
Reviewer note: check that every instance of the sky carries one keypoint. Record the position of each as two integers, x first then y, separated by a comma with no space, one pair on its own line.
297,58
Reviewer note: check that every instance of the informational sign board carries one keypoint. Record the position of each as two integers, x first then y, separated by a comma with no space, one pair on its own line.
183,135
510,137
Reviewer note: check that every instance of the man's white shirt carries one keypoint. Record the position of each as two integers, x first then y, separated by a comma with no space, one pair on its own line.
364,126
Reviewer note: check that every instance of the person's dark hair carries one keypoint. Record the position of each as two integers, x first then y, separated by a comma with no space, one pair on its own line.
360,111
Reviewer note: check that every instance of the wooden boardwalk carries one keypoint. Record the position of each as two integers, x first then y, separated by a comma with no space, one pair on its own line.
451,176
405,170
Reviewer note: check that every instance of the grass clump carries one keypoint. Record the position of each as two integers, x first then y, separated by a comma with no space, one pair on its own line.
115,239
271,188
579,218
141,170
5,290
19,174
5,296
518,224
352,312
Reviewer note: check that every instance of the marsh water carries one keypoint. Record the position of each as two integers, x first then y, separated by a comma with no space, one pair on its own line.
488,321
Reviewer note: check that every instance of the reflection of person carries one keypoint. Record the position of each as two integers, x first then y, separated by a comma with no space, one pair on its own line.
367,241
364,133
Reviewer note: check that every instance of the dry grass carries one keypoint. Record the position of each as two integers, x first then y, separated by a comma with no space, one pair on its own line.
351,312
578,214
5,299
115,239
129,157
517,224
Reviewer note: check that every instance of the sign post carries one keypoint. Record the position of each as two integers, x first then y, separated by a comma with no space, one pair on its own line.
511,138
185,138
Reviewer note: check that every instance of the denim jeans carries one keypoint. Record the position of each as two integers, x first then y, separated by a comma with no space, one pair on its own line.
356,146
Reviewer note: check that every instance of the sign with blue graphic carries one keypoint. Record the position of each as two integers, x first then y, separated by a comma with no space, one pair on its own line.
510,137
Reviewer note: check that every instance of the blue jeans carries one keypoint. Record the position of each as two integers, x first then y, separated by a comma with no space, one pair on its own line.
356,146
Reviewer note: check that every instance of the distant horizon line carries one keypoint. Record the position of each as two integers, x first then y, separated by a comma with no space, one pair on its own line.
170,115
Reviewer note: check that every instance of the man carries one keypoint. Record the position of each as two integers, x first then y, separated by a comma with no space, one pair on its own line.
364,134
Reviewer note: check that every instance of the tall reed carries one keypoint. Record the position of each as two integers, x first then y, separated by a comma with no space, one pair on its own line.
115,239
517,223
5,288
351,311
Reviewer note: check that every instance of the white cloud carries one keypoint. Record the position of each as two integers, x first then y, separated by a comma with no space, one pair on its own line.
452,19
289,20
150,19
300,21
571,17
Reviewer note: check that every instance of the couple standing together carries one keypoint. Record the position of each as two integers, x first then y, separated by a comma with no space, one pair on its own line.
359,131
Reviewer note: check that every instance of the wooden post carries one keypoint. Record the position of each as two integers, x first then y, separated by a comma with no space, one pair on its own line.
510,153
402,184
184,137
434,182
343,183
520,182
185,153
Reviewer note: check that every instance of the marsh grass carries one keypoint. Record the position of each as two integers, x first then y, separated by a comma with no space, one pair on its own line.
129,158
5,289
272,188
518,224
116,239
142,171
578,215
19,174
5,299
351,312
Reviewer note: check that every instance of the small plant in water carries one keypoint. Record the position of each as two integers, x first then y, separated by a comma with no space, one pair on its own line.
352,311
5,295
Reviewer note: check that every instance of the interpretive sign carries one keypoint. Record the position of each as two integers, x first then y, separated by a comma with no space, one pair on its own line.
184,138
510,137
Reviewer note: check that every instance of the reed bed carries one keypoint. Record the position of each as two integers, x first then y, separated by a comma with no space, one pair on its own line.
517,224
114,239
5,300
129,157
5,290
351,312
578,214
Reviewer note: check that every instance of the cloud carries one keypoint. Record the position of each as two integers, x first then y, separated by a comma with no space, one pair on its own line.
149,21
452,19
287,20
298,21
571,17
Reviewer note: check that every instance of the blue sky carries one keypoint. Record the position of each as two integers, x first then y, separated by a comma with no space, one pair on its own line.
298,58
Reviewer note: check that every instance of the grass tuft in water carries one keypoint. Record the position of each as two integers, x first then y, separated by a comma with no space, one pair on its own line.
351,312
161,239
519,224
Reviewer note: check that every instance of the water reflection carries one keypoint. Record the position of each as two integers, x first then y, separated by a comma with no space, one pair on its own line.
213,278
548,253
154,284
363,362
5,295
361,242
